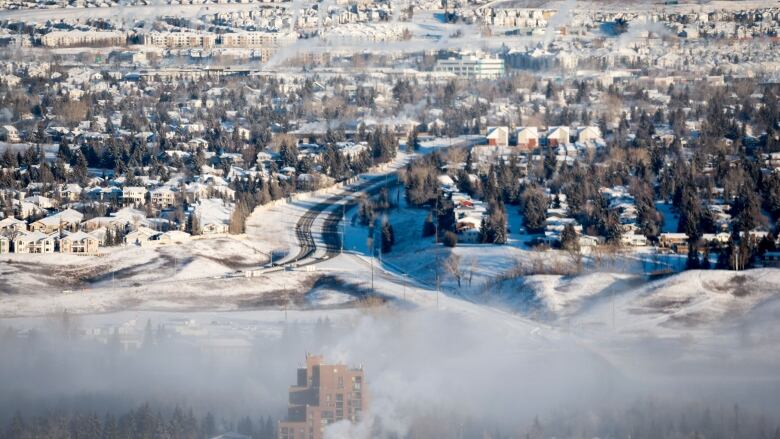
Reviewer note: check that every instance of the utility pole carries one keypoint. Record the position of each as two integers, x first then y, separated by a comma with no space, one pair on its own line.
437,289
437,282
404,281
371,249
436,222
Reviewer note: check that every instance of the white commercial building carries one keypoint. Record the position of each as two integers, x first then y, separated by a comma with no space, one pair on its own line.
472,67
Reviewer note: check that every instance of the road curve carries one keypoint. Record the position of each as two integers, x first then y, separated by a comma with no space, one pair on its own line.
330,234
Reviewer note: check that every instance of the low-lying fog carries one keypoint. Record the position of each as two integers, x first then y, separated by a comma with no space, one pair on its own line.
419,364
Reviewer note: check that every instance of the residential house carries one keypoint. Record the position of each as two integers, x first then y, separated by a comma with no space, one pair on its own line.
140,236
26,209
633,240
34,242
163,197
558,136
497,136
468,217
134,195
67,219
10,134
677,242
588,134
5,244
100,235
721,238
97,193
40,201
79,242
527,138
71,192
12,225
172,236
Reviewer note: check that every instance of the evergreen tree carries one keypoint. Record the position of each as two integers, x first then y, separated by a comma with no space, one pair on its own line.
534,208
569,238
388,237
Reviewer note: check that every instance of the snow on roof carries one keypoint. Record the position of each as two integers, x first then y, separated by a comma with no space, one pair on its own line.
33,236
10,221
67,215
130,214
77,236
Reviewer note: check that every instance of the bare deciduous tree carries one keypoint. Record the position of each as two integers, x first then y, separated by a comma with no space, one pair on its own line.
452,266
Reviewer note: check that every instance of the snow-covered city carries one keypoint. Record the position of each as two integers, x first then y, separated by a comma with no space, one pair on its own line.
491,219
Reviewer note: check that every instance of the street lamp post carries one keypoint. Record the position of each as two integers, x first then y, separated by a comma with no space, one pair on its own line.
404,282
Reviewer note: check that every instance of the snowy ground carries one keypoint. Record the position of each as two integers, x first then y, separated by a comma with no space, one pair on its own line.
528,288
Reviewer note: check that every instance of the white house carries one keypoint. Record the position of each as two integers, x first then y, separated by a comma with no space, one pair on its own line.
588,134
163,197
67,219
11,225
10,134
34,242
497,136
527,138
140,236
79,242
134,195
558,136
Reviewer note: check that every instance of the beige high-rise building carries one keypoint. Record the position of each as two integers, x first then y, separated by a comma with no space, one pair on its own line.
324,394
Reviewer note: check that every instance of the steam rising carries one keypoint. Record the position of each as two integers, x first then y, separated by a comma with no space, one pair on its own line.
560,19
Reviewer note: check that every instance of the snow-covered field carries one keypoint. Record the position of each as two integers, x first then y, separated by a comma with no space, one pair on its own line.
182,276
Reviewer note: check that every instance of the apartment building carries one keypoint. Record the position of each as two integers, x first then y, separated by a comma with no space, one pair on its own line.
163,197
34,242
79,242
257,39
180,40
472,67
324,394
135,195
78,38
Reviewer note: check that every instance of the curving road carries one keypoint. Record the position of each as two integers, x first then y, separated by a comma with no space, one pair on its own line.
331,239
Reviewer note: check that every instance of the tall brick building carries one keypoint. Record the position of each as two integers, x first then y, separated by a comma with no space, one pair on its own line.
324,394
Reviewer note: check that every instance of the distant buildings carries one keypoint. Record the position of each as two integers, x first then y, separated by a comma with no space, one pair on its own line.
83,38
323,394
180,40
257,39
472,66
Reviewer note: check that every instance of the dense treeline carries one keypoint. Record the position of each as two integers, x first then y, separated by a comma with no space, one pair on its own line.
142,422
643,419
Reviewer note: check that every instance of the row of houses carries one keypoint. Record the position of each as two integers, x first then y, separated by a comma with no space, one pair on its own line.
529,138
67,231
39,242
